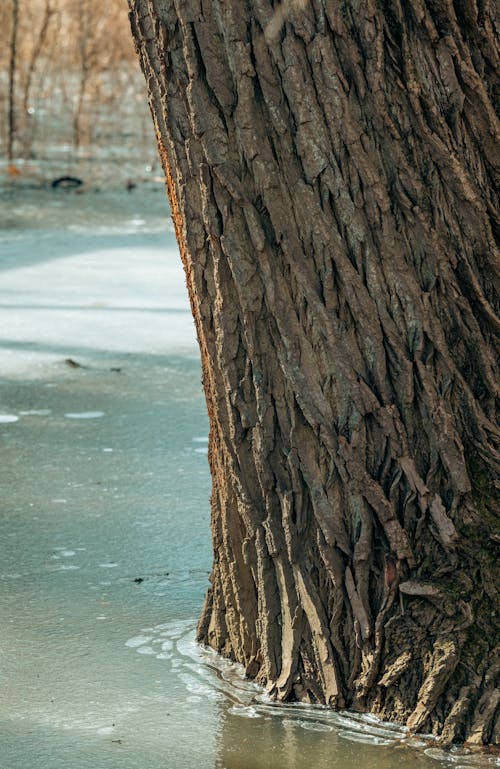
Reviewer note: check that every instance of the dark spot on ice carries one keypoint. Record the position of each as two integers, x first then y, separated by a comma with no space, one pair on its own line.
73,363
139,580
66,182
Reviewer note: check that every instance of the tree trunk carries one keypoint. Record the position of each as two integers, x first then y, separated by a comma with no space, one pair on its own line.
330,168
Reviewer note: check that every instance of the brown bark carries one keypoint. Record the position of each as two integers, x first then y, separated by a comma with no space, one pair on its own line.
331,168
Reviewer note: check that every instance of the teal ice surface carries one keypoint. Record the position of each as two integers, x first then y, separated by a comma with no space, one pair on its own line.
105,543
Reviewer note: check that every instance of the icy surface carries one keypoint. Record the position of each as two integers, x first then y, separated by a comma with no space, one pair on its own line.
105,546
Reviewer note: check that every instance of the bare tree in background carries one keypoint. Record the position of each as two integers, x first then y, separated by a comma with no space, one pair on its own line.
34,58
12,80
68,75
85,46
331,168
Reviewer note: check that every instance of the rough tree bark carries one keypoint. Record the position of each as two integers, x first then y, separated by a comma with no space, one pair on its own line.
331,170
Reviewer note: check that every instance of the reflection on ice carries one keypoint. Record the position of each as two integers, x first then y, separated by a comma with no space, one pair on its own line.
6,418
85,415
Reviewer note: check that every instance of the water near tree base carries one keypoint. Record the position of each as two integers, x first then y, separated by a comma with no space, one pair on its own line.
105,546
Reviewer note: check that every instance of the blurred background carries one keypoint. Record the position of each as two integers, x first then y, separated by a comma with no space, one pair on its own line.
72,97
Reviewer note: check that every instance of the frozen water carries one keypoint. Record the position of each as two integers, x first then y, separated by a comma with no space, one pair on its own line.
7,418
85,415
137,641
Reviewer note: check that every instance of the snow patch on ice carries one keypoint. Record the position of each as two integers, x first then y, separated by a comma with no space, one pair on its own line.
138,640
36,413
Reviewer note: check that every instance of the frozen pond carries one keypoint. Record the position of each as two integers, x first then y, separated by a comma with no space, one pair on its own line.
105,546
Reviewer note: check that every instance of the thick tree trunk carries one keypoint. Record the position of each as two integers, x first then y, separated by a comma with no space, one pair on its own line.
331,168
